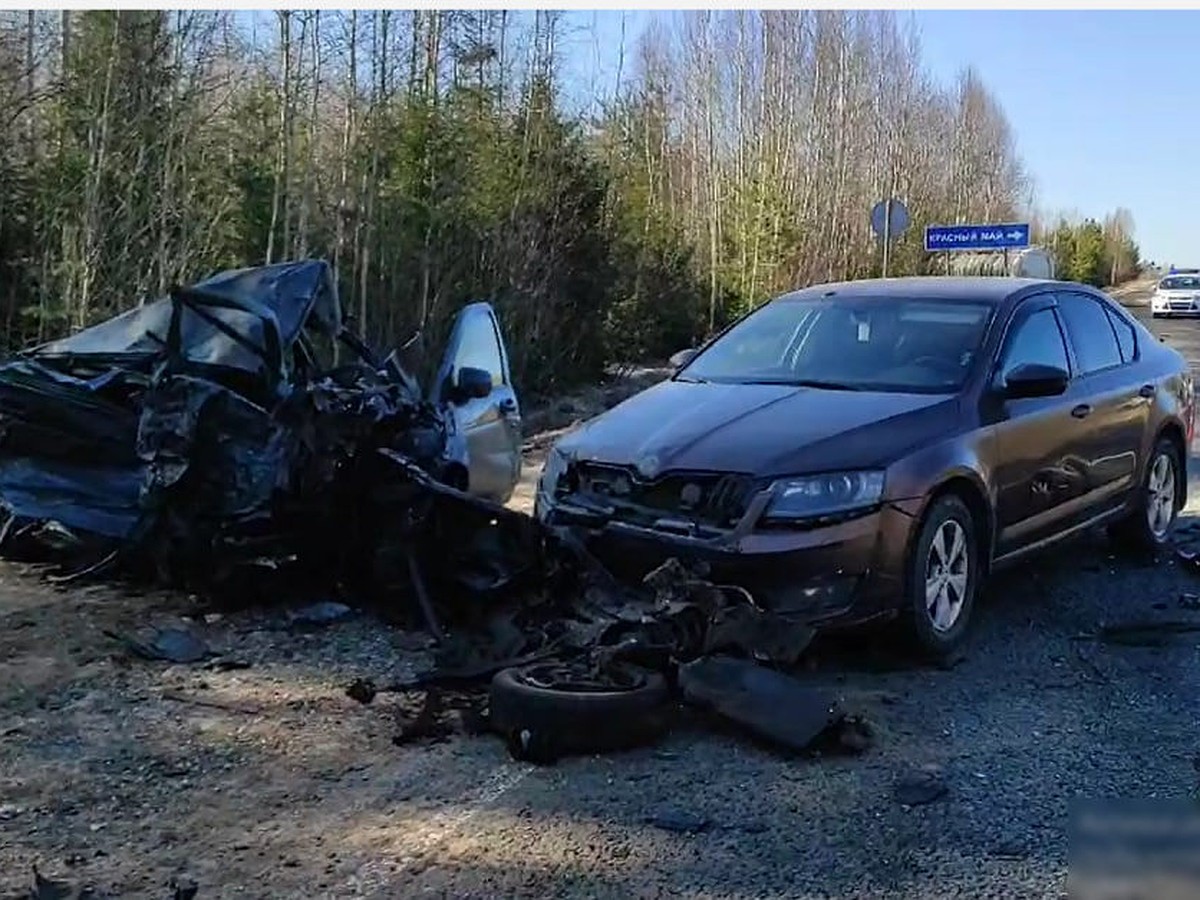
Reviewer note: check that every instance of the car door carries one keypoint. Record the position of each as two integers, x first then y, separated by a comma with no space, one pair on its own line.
490,426
1110,401
1035,475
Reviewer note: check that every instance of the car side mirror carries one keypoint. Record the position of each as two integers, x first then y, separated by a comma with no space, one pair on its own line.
683,357
1035,380
472,383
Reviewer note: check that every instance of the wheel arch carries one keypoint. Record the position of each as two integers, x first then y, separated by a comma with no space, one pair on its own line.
969,488
1173,431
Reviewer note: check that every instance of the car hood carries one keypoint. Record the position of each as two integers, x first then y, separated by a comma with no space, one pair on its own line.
762,430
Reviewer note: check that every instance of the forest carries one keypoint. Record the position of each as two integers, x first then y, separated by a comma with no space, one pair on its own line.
434,158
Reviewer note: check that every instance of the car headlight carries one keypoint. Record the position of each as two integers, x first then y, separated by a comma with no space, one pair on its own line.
815,496
553,469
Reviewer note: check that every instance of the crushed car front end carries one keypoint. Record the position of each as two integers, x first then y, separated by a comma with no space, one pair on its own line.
827,547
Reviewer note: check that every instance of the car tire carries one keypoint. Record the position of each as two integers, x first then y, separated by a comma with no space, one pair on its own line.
1148,526
541,723
944,569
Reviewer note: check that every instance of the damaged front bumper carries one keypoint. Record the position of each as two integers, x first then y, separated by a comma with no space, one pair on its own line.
836,574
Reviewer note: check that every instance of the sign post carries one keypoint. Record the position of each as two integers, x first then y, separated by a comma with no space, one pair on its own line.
888,219
1004,237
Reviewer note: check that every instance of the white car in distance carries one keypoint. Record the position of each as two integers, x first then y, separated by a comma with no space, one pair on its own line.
1176,295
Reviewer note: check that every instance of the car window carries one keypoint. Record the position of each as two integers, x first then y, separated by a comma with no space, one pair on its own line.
1090,333
1036,340
1180,283
1126,336
480,347
896,344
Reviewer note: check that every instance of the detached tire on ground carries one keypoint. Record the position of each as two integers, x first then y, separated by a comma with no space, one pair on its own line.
1148,526
944,570
543,714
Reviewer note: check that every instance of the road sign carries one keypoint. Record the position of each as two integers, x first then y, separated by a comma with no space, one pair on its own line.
891,226
977,237
888,219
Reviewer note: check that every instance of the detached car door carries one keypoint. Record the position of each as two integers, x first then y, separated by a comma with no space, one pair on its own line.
1110,400
489,421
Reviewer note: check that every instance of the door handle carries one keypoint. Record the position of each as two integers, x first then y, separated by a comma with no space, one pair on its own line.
508,406
1146,390
1082,411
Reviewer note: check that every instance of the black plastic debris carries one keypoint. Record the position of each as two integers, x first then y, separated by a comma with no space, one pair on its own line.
361,690
177,645
679,821
771,705
316,615
920,786
53,889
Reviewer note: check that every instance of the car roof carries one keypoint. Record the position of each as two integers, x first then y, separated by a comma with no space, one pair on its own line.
978,288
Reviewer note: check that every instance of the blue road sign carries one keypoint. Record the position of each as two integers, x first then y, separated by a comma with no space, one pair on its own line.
879,218
977,237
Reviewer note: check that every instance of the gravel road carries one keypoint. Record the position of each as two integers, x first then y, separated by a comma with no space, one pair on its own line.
307,797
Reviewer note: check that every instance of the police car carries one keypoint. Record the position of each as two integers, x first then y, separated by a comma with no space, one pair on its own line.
1177,294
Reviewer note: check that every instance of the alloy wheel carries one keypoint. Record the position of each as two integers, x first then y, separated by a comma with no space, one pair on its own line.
946,575
1160,500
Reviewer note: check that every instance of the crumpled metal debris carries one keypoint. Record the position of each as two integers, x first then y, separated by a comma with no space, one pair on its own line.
206,436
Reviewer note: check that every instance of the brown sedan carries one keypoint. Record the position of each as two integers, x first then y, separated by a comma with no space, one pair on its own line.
858,450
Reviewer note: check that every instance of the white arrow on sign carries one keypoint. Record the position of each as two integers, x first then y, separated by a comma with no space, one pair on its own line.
1015,235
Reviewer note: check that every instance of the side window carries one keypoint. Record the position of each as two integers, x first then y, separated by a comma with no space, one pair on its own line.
1090,332
1126,336
1037,339
480,347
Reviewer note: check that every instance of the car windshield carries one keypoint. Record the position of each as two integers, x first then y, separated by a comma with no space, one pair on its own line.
904,346
1180,283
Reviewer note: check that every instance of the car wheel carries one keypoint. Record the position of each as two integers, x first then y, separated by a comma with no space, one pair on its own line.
1149,525
943,577
548,710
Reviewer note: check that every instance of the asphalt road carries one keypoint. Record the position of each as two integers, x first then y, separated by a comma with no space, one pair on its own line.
1033,717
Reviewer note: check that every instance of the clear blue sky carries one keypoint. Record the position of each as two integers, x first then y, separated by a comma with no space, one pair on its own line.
1105,104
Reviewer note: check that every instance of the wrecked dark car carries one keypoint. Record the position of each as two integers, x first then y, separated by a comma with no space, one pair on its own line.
238,423
873,449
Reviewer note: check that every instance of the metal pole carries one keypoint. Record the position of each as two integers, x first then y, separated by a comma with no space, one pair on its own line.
1005,260
887,232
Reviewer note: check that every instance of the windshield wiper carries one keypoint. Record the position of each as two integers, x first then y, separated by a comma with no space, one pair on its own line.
819,383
